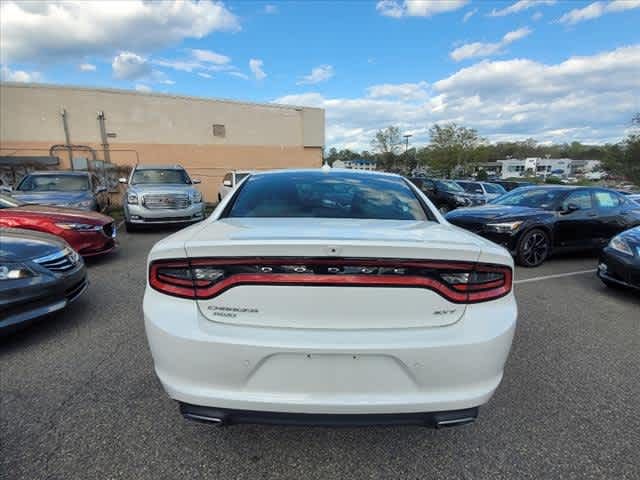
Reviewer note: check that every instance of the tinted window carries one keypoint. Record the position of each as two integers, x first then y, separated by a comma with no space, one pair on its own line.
240,176
471,187
581,199
607,199
54,183
449,186
160,175
492,188
530,197
327,195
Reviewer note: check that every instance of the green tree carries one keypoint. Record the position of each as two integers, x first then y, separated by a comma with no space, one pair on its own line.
623,159
452,147
387,143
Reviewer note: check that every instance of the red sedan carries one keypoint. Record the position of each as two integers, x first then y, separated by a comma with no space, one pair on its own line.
88,233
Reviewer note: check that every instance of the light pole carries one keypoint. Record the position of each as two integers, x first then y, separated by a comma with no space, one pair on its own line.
406,136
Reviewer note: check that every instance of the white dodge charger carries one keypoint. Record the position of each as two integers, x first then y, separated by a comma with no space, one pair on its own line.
329,297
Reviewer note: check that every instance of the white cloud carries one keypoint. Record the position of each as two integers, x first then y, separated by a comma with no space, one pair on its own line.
255,65
129,66
6,74
318,74
480,49
241,75
536,16
204,75
270,9
87,67
403,91
469,14
520,6
417,8
589,99
140,87
75,29
208,56
597,9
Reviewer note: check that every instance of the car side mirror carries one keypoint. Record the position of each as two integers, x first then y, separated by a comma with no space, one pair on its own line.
227,183
122,180
572,207
195,181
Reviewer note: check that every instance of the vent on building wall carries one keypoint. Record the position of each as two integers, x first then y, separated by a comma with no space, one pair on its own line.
219,130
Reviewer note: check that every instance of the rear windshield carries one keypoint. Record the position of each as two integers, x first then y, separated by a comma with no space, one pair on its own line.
449,186
327,195
159,175
54,183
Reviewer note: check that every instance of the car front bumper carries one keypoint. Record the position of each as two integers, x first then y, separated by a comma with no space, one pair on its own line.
23,304
139,215
619,268
385,371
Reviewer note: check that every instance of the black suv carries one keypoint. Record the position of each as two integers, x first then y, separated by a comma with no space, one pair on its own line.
446,195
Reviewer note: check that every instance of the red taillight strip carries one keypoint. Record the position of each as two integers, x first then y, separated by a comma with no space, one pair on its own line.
329,281
455,293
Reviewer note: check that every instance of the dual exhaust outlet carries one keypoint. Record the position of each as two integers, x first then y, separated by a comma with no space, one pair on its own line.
225,417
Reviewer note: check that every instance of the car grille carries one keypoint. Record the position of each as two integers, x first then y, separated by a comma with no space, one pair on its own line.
59,262
108,229
166,201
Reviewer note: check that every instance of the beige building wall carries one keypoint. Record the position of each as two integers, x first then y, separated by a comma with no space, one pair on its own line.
161,129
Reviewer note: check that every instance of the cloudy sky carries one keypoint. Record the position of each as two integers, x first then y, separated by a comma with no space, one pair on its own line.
549,69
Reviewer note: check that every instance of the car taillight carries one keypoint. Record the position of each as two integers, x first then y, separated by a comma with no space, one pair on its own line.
205,278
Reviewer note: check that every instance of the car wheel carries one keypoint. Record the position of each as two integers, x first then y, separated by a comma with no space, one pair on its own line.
533,249
130,227
219,198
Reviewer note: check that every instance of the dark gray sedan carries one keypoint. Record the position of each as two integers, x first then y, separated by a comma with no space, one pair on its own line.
39,274
69,189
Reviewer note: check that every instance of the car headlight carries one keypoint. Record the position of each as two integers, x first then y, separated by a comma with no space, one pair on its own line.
504,227
14,271
132,199
82,204
621,245
79,227
461,199
196,197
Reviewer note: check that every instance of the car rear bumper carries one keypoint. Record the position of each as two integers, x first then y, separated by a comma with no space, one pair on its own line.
226,416
287,370
139,215
21,307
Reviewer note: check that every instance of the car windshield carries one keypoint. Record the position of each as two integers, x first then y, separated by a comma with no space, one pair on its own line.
471,187
54,183
327,195
494,188
9,202
530,197
160,175
240,177
449,186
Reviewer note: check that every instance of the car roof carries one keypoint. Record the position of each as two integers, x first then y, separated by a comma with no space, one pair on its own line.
59,172
328,171
158,167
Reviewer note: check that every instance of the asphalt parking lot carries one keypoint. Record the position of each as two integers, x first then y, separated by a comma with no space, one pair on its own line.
79,398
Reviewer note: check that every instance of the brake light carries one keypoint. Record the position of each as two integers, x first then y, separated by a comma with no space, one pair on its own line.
205,278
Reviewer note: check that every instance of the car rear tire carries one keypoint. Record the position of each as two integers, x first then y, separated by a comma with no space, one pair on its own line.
533,249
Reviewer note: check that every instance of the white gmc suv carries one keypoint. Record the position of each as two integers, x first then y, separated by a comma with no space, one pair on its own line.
329,297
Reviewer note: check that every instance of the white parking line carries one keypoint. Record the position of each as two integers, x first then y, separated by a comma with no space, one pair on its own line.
557,275
120,223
